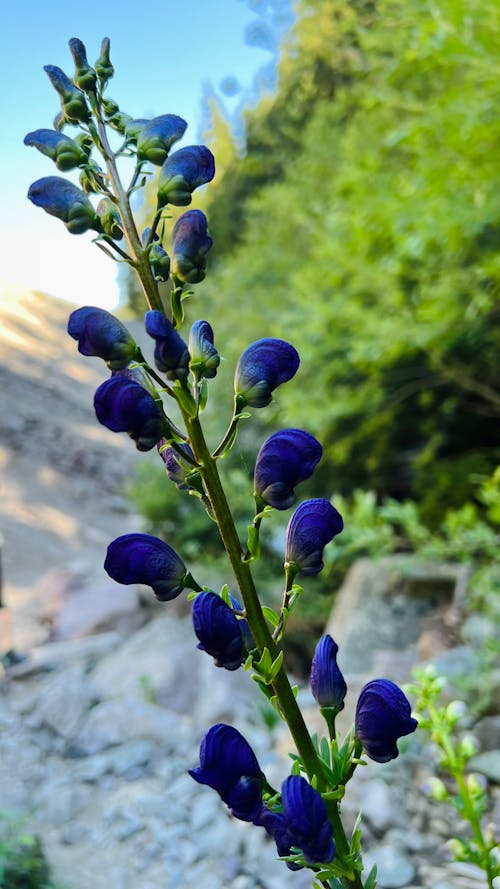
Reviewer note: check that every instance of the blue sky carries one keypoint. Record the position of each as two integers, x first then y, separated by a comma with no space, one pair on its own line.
163,55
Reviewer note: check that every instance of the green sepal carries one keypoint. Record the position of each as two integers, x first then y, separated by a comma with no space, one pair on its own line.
271,615
224,594
177,307
253,543
185,399
203,396
371,880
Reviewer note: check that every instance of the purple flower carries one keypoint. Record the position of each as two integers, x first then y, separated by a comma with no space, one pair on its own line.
99,333
383,714
313,524
303,824
85,76
182,172
65,152
190,245
141,558
62,199
263,366
218,630
123,405
229,765
156,137
285,459
204,356
176,468
73,103
171,352
327,683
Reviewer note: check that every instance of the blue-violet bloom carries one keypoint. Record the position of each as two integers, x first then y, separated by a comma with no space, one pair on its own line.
171,353
383,714
62,199
99,333
263,366
229,765
123,405
327,682
65,152
190,245
141,558
204,358
303,824
313,524
285,459
217,628
182,172
85,77
156,137
73,102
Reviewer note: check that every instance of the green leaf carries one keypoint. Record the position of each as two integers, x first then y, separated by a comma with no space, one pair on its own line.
253,543
271,615
371,880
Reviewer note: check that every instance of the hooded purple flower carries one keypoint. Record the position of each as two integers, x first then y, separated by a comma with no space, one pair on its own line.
65,152
229,765
327,683
171,352
263,366
285,459
383,714
99,333
218,630
74,108
66,201
123,405
141,558
313,524
190,245
204,358
85,77
156,137
182,172
303,824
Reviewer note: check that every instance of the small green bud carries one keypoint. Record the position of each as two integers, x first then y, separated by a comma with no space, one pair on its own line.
457,849
92,178
468,746
110,219
119,121
437,789
454,712
476,785
110,107
103,67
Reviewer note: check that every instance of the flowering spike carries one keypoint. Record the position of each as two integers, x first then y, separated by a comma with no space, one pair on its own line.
156,137
123,405
141,558
171,352
261,368
313,524
327,683
190,245
204,356
383,714
182,172
62,199
65,152
229,765
218,630
285,459
99,333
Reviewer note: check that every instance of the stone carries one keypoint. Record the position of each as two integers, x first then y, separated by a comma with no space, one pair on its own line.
394,868
93,608
379,805
59,801
57,654
64,698
487,764
114,722
487,732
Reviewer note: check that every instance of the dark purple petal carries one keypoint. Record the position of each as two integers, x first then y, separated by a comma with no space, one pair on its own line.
307,820
383,714
190,245
263,366
62,199
123,405
204,358
171,352
313,524
327,683
141,558
156,137
182,172
218,630
99,333
229,765
285,459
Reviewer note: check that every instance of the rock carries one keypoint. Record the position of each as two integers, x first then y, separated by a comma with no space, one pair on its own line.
487,764
379,805
394,868
487,732
64,698
56,654
102,605
59,801
114,722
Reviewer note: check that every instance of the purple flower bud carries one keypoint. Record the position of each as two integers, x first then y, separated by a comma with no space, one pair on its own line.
313,524
62,199
103,67
307,820
383,714
327,683
285,459
141,558
217,628
65,152
123,405
176,468
156,137
229,765
182,172
85,76
171,353
190,245
204,356
99,333
263,366
73,103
